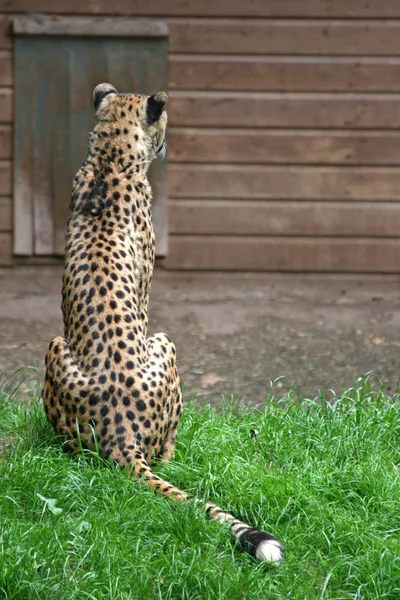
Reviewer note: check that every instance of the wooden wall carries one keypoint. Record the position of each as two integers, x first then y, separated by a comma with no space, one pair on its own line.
284,145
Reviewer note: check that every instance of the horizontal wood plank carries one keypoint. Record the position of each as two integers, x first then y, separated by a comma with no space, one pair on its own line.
258,109
5,141
275,182
6,105
6,75
284,254
284,218
232,36
88,26
284,74
5,213
223,8
290,37
5,249
284,147
5,177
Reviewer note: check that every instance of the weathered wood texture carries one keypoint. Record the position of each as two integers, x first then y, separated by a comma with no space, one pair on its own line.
5,177
55,76
284,148
287,182
45,25
5,141
232,36
269,146
330,9
5,213
5,39
5,249
287,37
283,110
284,74
6,105
6,78
284,254
284,218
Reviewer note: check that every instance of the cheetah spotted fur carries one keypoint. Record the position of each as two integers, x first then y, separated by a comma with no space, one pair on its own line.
107,385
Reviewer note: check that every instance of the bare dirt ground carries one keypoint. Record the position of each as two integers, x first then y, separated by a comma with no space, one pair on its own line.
234,333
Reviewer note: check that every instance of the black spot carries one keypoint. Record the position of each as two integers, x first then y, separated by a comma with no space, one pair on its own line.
141,405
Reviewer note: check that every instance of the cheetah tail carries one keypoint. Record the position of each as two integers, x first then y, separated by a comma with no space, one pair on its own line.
259,544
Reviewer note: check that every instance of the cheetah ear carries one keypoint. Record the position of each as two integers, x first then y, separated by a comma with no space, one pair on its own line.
100,92
155,107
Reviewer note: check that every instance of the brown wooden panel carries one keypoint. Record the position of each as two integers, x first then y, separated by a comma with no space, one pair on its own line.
284,74
284,254
5,213
258,109
5,249
116,26
6,78
5,177
6,100
5,141
308,183
223,8
282,147
5,38
286,218
229,36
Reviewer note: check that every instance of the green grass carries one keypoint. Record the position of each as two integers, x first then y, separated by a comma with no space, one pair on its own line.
323,477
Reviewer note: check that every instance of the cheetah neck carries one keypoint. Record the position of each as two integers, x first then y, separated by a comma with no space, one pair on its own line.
110,154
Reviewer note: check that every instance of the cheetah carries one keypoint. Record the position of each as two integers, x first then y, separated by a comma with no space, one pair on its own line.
107,385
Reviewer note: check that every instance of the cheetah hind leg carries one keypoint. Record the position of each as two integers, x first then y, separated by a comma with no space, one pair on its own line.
63,383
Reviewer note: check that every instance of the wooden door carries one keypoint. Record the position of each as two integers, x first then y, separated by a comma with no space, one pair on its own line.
57,64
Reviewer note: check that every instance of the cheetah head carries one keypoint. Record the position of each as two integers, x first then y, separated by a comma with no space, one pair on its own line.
134,124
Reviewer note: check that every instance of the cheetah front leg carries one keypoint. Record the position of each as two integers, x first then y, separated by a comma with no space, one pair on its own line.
165,384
